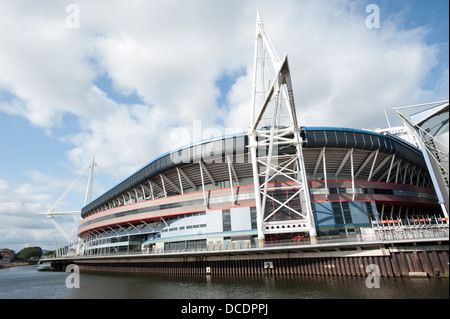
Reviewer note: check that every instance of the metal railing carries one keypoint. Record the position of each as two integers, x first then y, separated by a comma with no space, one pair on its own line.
374,234
381,230
418,233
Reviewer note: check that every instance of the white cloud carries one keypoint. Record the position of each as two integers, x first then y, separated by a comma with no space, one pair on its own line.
3,185
345,74
20,205
171,53
43,64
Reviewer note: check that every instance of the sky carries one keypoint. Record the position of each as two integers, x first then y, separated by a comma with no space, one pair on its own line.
114,78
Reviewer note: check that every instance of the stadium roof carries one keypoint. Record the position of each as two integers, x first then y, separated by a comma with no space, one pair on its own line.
313,137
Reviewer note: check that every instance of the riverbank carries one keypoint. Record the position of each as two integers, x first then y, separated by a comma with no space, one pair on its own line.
15,264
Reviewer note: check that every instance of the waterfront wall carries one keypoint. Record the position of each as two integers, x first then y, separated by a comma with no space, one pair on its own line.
390,264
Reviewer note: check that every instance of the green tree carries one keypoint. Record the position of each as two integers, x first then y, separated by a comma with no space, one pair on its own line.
28,252
49,253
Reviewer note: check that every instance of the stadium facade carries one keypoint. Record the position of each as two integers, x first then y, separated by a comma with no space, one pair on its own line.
203,194
275,182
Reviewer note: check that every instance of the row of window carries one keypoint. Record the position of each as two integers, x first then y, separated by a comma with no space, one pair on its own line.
376,191
193,202
202,213
182,228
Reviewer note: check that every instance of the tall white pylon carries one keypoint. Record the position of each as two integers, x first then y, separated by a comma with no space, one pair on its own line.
51,212
88,196
282,198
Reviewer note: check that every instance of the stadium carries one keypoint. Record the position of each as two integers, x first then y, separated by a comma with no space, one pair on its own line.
203,194
275,182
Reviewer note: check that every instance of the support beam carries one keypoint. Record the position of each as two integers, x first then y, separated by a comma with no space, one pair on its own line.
62,231
259,213
231,180
146,224
389,171
236,179
405,173
158,188
136,193
203,167
190,182
113,230
383,162
319,158
123,229
163,186
353,175
151,189
203,185
164,221
134,227
179,180
373,165
344,160
164,177
325,177
364,164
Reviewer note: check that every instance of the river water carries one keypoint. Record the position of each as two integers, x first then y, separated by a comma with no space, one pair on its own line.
28,283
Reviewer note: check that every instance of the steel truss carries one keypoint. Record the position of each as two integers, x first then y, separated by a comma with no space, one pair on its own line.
276,147
435,152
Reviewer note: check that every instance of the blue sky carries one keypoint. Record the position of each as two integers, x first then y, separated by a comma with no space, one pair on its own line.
117,85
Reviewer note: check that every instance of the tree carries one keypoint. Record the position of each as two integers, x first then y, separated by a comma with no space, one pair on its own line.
28,252
49,253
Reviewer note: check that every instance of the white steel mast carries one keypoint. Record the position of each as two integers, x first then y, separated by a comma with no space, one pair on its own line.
276,145
51,212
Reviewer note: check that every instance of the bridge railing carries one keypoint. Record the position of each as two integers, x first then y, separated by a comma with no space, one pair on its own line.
372,234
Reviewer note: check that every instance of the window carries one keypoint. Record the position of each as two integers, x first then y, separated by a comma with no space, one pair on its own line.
253,217
333,190
369,209
347,213
337,211
226,220
383,191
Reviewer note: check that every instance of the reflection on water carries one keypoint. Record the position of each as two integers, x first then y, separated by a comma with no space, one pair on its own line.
27,282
